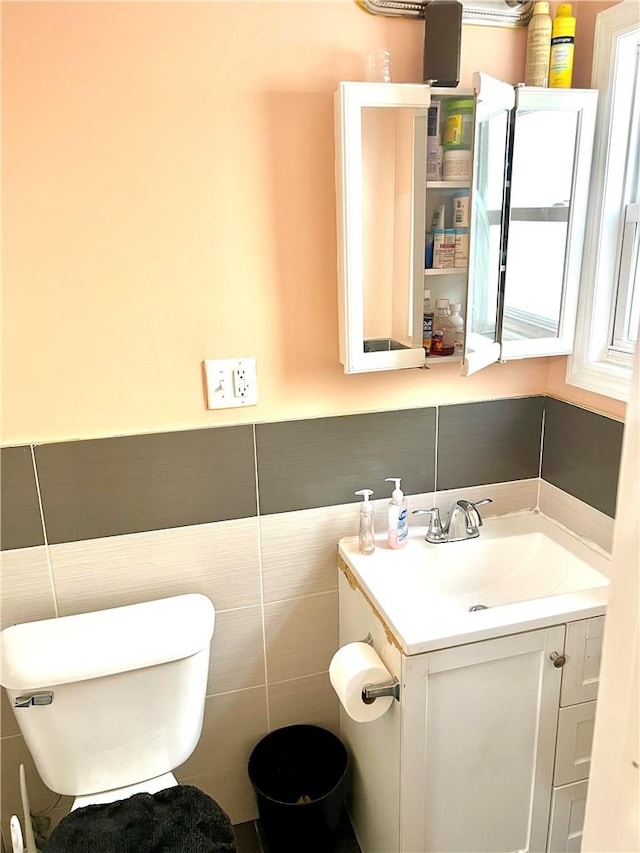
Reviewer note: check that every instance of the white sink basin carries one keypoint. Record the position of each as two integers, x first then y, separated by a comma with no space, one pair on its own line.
525,570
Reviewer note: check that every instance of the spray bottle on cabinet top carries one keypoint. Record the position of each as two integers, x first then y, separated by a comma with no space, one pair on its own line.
563,34
366,540
397,526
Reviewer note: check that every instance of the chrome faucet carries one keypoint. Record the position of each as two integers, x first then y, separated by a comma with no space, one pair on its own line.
462,522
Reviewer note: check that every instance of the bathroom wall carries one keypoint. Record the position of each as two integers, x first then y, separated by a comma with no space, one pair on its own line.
250,515
168,197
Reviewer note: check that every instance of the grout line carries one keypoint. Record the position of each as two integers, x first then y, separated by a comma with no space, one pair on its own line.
542,430
302,597
279,600
44,531
235,690
261,569
252,687
435,473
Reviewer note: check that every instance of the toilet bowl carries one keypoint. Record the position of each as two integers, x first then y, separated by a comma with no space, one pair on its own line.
109,703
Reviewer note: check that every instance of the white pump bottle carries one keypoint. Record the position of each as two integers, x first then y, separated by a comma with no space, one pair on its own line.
397,525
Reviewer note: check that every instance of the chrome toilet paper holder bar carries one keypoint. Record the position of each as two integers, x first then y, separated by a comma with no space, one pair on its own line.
371,692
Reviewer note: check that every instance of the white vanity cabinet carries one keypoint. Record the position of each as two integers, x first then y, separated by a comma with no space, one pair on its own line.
529,179
576,719
478,754
487,729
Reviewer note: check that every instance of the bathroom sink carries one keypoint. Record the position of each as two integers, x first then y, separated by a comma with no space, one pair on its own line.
523,571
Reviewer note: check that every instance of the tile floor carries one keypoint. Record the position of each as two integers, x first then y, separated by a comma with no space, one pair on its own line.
249,838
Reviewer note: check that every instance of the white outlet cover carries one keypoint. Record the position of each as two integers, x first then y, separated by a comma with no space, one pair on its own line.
221,388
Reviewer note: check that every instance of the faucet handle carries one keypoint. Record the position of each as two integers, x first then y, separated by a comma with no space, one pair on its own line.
435,530
474,519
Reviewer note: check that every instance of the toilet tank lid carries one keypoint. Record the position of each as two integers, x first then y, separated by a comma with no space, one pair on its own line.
105,642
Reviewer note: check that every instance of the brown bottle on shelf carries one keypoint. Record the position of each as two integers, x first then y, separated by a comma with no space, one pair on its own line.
443,341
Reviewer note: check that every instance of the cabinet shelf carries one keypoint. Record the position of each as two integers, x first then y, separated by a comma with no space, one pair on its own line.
448,185
443,359
446,271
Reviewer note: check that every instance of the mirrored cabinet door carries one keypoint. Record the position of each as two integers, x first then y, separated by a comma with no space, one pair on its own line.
494,102
549,181
381,134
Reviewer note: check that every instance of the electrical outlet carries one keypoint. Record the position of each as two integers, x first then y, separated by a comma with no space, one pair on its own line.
240,385
231,382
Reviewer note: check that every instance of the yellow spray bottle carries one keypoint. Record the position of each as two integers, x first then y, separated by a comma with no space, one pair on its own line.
562,43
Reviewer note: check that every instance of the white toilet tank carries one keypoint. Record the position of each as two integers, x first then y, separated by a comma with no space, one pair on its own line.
110,698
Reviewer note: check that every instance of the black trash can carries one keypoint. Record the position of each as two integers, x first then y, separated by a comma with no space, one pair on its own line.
298,773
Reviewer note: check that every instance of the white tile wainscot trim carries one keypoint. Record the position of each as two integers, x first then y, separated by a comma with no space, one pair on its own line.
27,594
513,496
15,753
590,524
220,560
299,550
310,700
233,725
302,635
237,651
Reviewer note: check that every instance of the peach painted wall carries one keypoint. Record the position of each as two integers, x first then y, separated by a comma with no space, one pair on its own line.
585,11
168,196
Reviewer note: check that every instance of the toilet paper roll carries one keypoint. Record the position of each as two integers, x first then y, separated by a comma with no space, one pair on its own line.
351,668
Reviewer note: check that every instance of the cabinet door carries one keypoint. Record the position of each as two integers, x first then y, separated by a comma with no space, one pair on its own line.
479,776
381,133
494,101
567,818
553,133
575,738
581,673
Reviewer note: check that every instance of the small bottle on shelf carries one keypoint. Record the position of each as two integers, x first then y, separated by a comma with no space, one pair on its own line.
461,250
444,244
427,323
457,322
443,331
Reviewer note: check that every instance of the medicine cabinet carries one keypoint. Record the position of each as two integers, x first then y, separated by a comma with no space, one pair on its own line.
528,180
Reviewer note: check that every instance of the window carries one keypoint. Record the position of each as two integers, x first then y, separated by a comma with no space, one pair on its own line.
609,311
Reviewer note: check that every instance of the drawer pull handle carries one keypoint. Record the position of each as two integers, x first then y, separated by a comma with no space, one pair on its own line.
558,659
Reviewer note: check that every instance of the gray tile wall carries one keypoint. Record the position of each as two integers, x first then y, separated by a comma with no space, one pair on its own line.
250,516
132,484
581,454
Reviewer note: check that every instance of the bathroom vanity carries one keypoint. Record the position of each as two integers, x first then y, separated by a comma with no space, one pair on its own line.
488,747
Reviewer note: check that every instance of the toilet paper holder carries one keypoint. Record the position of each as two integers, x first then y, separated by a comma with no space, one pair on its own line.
371,692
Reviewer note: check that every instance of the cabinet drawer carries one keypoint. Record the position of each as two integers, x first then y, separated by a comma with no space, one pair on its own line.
575,737
567,818
581,673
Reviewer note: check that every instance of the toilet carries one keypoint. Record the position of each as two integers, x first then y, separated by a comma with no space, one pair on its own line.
111,702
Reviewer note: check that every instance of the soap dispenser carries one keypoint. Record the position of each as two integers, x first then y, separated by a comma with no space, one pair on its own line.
397,526
366,541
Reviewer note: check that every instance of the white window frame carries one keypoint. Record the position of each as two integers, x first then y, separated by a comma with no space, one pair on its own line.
592,365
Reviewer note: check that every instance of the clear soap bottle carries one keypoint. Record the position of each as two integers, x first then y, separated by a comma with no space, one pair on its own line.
366,535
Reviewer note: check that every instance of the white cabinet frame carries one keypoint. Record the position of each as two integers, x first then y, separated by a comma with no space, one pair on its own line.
350,100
